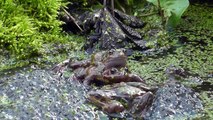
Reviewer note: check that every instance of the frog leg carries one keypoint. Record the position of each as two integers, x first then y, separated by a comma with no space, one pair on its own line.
59,68
142,103
113,106
134,78
83,63
94,77
89,79
142,86
122,77
79,74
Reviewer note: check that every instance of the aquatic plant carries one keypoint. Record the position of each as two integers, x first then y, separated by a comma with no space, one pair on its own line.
171,10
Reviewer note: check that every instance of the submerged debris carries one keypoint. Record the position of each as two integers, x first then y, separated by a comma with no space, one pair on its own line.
111,29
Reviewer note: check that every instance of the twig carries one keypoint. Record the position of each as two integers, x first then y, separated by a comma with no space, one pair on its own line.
73,19
113,7
104,3
161,12
148,14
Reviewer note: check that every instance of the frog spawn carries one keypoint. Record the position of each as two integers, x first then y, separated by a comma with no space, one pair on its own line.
173,101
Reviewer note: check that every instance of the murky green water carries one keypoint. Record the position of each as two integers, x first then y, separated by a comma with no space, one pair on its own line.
36,93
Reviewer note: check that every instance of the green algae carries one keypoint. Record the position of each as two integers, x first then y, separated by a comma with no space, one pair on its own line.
191,43
192,50
198,17
208,106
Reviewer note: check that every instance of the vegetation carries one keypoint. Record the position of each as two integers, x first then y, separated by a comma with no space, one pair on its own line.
192,47
25,26
171,10
30,30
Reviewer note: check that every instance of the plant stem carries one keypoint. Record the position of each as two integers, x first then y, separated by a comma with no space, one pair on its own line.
161,13
148,14
104,3
112,5
73,19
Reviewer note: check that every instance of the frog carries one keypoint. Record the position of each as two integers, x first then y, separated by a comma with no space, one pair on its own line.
107,58
119,97
110,76
116,75
103,67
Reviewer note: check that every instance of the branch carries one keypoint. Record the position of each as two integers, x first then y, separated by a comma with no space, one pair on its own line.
73,19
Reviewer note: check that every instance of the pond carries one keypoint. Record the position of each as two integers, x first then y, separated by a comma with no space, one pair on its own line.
34,92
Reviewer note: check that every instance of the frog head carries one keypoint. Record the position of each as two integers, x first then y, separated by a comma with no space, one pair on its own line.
104,101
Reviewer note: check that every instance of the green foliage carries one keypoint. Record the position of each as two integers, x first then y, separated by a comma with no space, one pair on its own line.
198,17
130,2
83,2
126,5
26,25
208,106
172,10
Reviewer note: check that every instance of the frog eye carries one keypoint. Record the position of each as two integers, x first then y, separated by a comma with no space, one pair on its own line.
124,50
113,70
111,51
126,69
97,96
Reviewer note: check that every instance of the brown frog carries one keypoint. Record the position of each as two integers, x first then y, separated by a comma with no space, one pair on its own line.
103,67
109,59
131,96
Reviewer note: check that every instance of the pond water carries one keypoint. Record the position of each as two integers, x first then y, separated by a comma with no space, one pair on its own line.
34,93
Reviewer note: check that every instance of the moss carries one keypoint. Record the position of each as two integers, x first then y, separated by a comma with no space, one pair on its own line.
26,25
30,33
